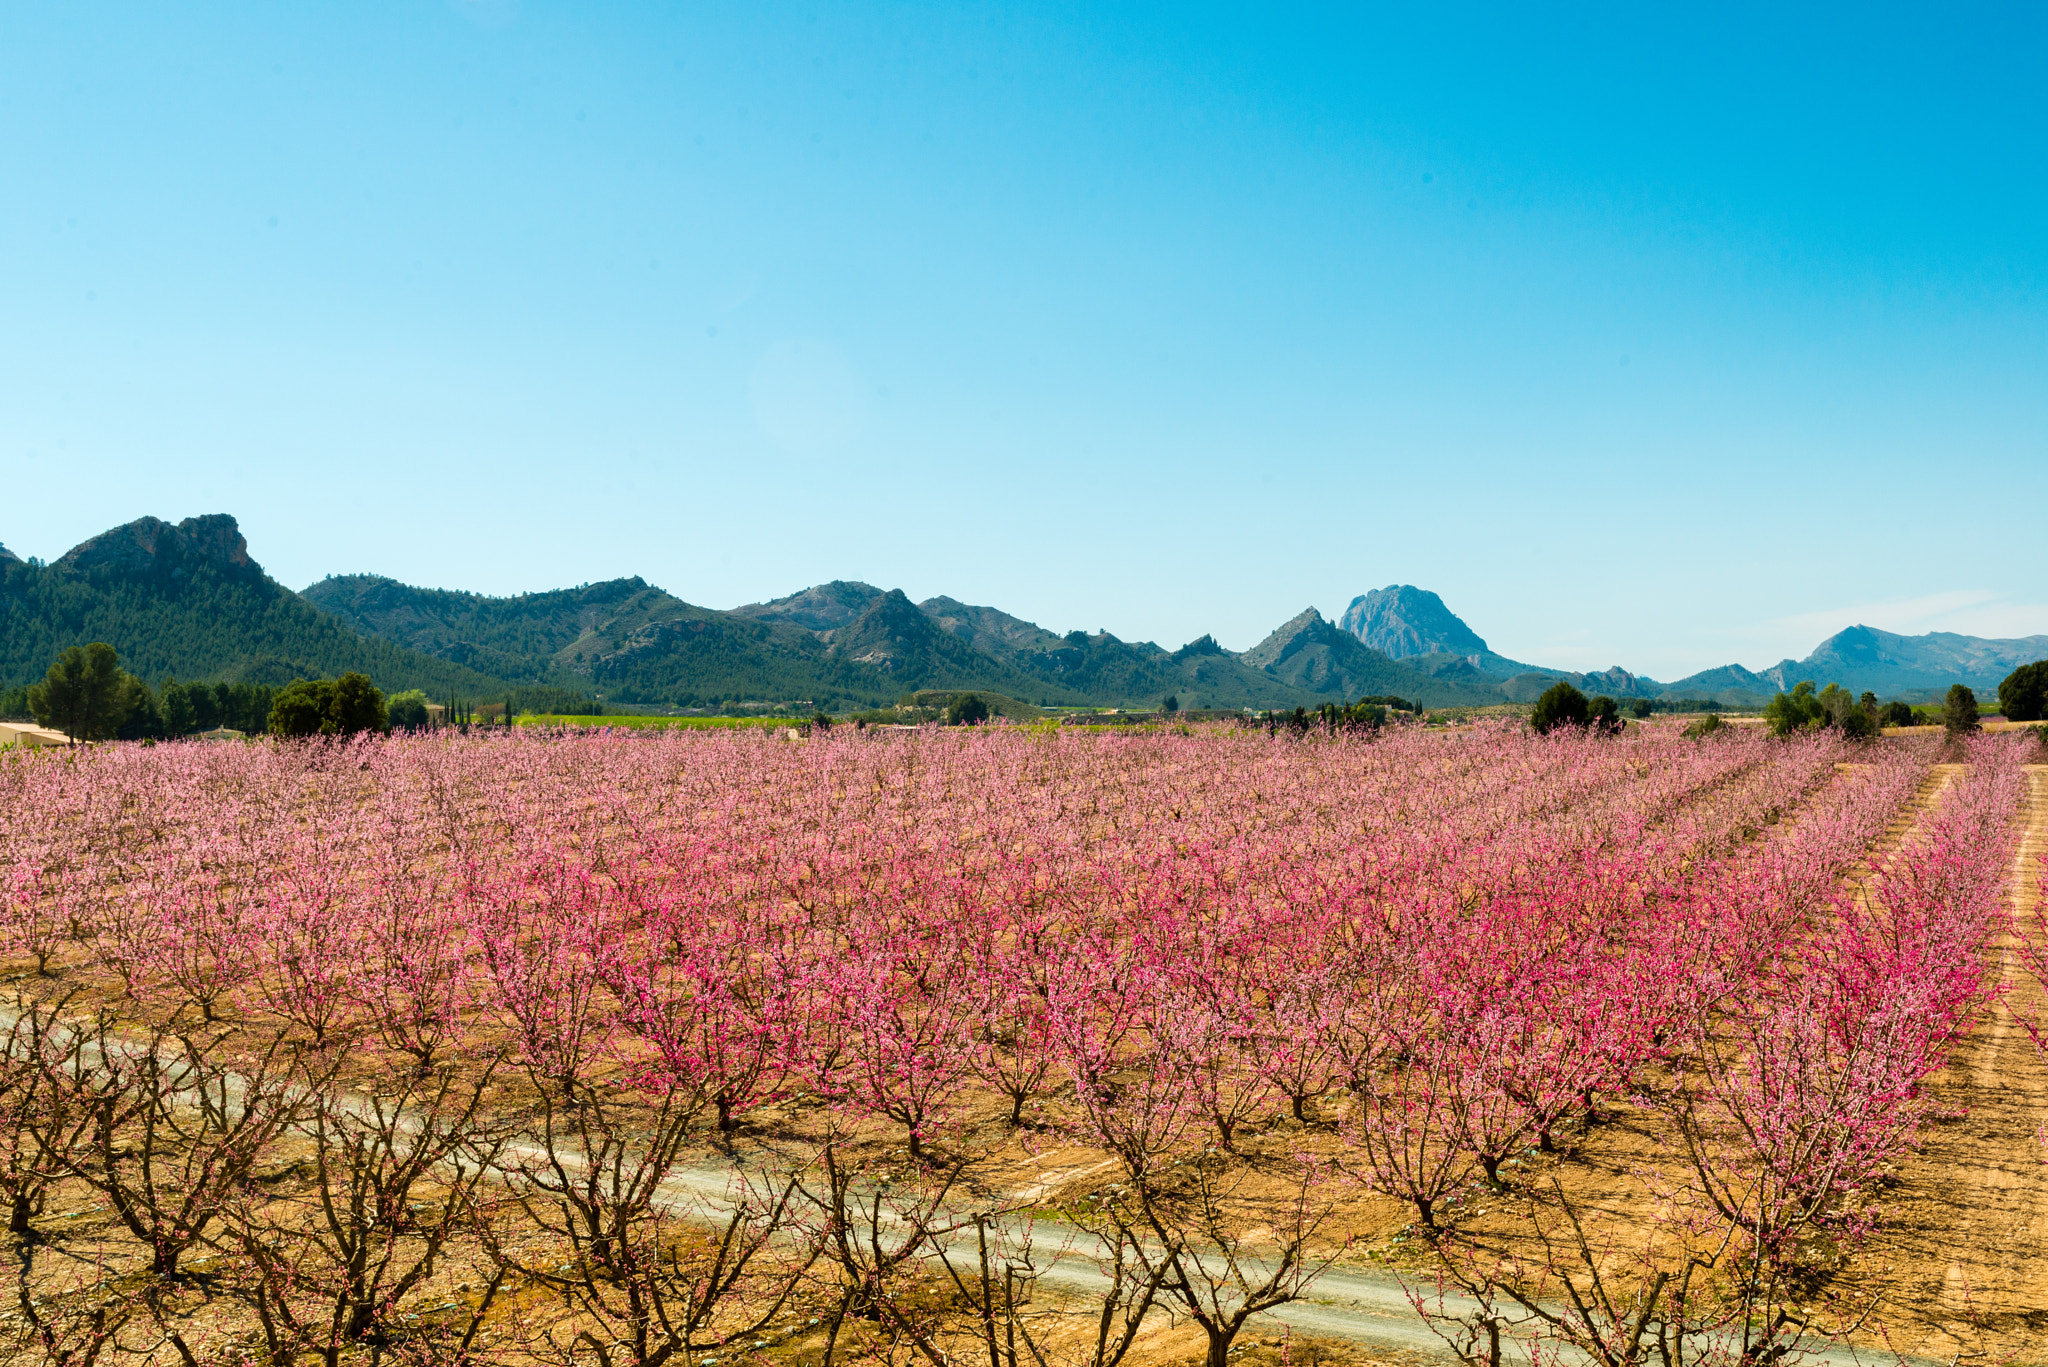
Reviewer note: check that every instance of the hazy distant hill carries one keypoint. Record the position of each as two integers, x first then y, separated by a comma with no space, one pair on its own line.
1886,662
188,600
1861,658
1417,629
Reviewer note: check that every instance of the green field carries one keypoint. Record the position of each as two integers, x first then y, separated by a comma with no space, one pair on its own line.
638,723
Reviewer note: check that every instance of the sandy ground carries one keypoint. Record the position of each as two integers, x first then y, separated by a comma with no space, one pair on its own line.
1967,1247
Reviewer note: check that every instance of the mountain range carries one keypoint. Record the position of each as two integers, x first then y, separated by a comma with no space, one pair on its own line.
188,600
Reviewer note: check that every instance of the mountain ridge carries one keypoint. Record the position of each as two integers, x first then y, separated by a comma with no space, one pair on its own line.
1311,652
188,599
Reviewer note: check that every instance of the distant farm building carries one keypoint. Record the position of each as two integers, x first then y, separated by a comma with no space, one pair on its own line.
30,735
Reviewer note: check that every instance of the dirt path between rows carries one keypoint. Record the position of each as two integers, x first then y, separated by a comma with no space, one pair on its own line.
1967,1243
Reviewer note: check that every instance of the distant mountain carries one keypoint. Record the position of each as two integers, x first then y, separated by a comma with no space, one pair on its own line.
622,639
1401,620
1416,629
188,600
1733,685
1312,654
991,630
1862,658
911,649
1885,662
536,637
839,643
823,607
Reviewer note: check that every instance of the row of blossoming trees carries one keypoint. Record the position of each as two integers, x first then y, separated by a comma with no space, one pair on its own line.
426,1048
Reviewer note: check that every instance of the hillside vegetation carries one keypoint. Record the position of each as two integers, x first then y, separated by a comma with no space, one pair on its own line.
187,600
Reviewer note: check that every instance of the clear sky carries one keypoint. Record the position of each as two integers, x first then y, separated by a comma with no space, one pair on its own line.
1653,335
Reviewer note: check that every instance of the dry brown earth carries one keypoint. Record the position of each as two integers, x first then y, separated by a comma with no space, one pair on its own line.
1967,1247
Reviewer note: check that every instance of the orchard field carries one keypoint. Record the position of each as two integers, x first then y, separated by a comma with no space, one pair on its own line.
998,1048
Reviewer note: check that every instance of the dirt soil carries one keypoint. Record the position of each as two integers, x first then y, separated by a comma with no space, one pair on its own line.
1967,1246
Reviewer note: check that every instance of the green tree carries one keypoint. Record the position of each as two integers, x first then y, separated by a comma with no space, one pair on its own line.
2024,694
141,718
1640,708
1794,711
1895,713
407,711
300,709
1603,714
86,694
967,711
1706,726
1172,704
1560,705
180,717
1959,710
210,704
245,707
357,705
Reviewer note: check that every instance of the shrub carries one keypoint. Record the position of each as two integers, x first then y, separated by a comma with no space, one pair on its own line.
1706,726
1560,705
967,711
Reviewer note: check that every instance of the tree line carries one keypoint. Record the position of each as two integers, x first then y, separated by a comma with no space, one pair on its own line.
88,696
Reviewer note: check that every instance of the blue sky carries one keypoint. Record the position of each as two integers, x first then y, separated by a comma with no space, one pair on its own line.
1647,335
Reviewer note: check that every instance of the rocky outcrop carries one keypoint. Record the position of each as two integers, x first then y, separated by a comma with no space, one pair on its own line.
1401,620
150,547
822,607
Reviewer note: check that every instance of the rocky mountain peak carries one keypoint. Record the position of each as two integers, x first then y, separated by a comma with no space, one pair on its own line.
1307,628
822,607
1401,620
150,546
